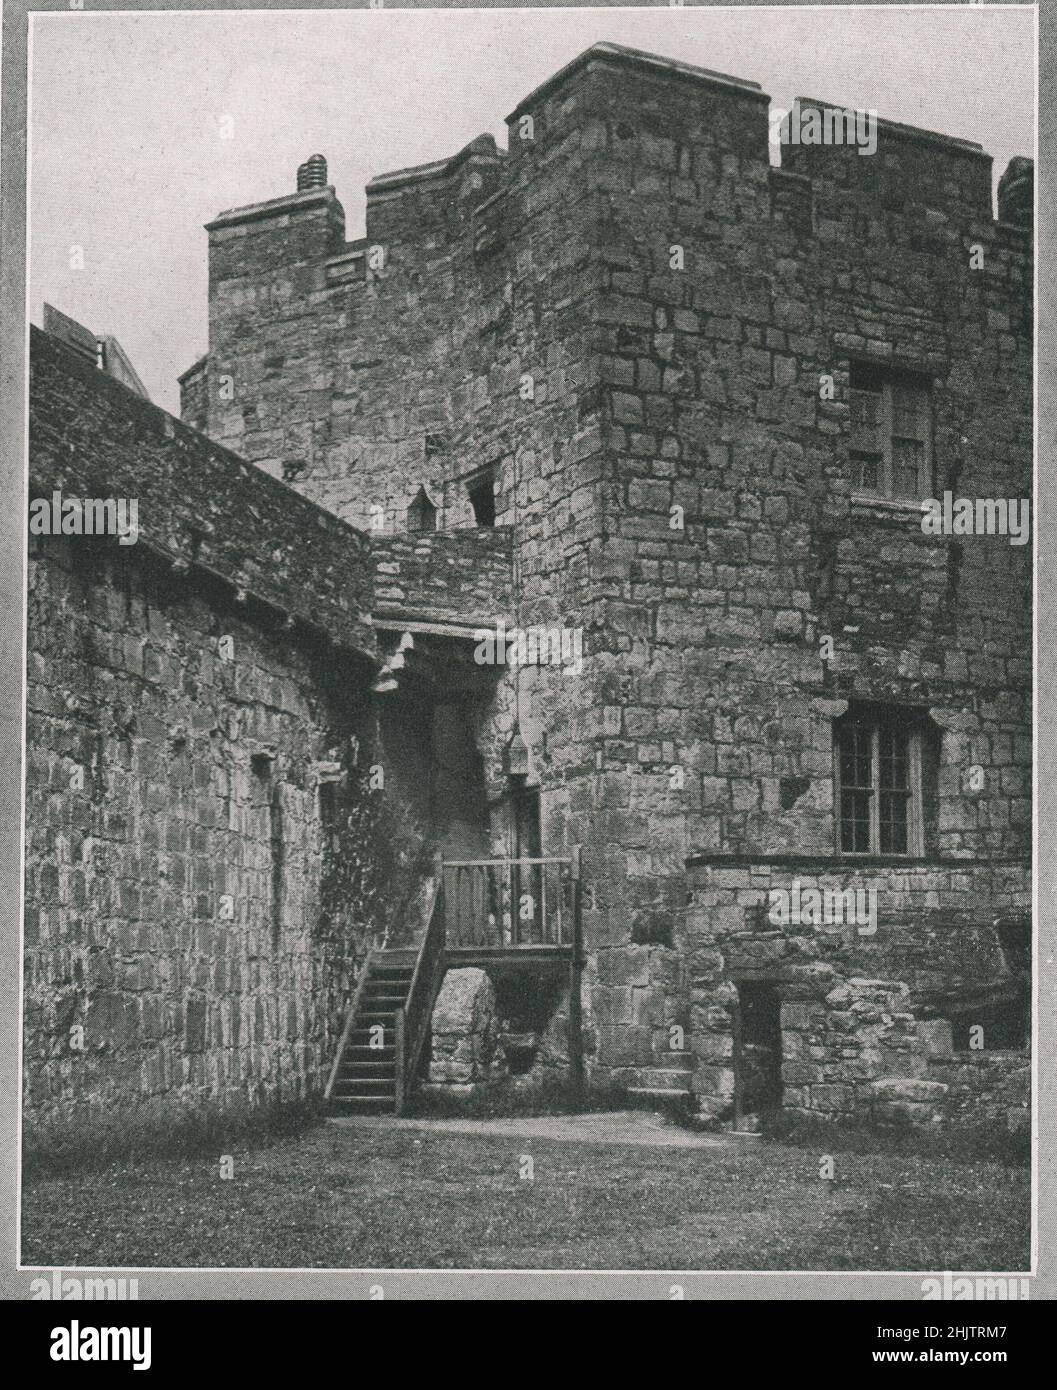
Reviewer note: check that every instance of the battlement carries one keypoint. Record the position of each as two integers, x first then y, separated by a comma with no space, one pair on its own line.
578,91
625,104
479,153
340,364
299,227
409,206
886,166
620,56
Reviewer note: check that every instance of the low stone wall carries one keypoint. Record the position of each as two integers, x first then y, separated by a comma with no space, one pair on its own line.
179,733
985,1087
862,1052
461,576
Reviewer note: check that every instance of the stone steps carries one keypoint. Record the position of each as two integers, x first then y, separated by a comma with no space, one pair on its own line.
658,1078
656,1098
664,1086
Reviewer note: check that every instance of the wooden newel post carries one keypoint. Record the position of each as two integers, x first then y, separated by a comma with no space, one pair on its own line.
400,1057
576,965
438,886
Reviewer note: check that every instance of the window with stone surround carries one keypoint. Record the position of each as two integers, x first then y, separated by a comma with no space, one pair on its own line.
877,758
891,433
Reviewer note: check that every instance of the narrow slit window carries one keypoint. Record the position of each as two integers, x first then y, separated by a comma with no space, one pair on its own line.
267,795
482,499
328,816
278,858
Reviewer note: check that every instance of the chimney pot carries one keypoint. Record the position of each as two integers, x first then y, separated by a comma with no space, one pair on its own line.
312,174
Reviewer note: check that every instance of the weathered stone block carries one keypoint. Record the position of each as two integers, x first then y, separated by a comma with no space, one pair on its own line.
466,1048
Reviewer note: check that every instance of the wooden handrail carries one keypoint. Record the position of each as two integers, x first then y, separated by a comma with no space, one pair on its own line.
413,1016
349,1020
437,890
485,897
414,1019
398,1070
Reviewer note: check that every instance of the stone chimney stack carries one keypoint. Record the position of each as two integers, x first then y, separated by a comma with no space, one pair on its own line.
312,174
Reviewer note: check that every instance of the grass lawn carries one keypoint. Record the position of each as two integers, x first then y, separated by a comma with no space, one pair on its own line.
396,1198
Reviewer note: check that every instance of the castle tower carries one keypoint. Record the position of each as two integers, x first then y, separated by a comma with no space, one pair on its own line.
708,396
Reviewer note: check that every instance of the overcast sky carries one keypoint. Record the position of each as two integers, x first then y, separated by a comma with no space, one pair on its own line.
127,110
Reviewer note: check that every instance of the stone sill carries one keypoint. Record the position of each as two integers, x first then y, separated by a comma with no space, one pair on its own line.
833,863
885,507
1021,1054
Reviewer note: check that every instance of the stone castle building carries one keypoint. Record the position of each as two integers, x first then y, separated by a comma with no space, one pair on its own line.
628,386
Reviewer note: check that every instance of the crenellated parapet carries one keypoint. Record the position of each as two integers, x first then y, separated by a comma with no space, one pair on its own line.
363,370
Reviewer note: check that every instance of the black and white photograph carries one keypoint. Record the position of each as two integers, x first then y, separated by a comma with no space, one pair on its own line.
523,588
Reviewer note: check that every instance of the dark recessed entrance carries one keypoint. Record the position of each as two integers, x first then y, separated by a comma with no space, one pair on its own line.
757,1050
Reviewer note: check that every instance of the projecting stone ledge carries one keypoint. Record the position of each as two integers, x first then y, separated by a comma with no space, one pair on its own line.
908,1101
459,577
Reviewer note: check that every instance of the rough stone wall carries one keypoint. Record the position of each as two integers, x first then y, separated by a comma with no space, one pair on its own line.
413,372
854,1002
453,576
712,378
356,373
198,505
466,1050
194,396
178,729
678,303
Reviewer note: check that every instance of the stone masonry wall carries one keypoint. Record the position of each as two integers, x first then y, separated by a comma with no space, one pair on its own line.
198,504
720,316
179,727
854,1012
648,332
444,575
372,382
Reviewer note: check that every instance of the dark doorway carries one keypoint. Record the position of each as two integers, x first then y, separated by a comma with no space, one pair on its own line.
757,1050
525,802
526,840
458,802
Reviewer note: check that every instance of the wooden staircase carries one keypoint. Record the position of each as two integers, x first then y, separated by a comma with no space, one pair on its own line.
364,1079
388,1022
387,1027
